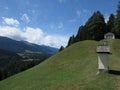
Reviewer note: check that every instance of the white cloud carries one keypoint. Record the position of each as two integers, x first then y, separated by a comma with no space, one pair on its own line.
55,41
25,18
10,21
33,35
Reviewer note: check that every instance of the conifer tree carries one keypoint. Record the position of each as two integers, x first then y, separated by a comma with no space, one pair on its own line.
96,26
61,48
71,40
79,34
110,23
117,22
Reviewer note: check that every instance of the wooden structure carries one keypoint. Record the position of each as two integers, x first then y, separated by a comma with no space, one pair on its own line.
103,51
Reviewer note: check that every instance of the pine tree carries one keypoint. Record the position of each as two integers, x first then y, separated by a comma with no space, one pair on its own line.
110,23
117,22
96,26
71,40
61,48
79,34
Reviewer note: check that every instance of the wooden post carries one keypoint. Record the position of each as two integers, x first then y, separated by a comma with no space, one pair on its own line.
103,52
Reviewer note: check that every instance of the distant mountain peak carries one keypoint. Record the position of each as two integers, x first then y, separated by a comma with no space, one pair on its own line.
20,46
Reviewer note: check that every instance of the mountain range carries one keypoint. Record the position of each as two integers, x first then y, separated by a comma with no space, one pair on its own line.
17,56
23,46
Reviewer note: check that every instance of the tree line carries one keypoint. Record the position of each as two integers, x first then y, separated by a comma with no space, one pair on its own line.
96,27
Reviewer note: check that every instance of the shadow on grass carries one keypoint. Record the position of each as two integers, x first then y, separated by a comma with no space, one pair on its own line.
114,72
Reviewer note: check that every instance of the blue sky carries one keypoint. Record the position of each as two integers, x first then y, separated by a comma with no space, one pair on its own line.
49,22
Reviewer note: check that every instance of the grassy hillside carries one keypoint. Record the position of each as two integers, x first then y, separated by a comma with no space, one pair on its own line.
74,68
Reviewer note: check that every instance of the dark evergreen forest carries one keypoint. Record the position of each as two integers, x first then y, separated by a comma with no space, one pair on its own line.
96,27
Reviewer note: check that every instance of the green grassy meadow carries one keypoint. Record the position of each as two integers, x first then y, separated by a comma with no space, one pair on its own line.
74,68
